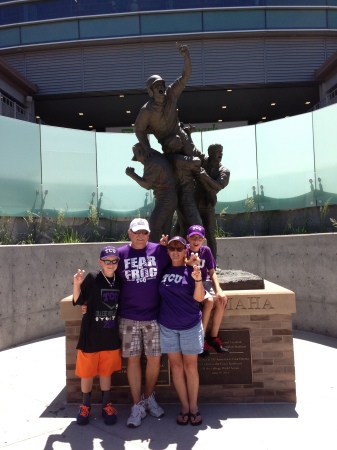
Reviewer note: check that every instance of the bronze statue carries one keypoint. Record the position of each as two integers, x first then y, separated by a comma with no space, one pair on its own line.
158,175
212,178
193,172
159,115
186,169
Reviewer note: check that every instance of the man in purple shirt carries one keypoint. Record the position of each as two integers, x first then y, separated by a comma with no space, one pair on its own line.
140,267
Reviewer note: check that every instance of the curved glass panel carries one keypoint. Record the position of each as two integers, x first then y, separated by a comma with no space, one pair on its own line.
49,32
119,195
121,26
10,37
68,171
154,143
286,19
234,20
325,145
197,140
285,163
171,23
239,156
9,14
46,10
20,167
272,167
296,2
332,19
19,12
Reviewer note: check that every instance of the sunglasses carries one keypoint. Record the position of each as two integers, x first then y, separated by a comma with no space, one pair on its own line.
107,262
140,232
176,249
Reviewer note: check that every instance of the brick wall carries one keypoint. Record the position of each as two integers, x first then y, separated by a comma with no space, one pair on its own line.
273,370
272,352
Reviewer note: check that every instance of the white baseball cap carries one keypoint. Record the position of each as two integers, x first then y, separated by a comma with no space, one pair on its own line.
139,224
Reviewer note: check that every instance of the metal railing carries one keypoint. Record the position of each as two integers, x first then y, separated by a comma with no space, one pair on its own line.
10,108
330,99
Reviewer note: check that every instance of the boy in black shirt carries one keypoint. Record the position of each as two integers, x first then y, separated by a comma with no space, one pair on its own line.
99,345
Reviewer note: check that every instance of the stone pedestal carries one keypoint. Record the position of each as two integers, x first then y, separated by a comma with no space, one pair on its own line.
256,328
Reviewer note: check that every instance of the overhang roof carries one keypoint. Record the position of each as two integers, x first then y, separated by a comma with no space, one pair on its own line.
15,78
328,69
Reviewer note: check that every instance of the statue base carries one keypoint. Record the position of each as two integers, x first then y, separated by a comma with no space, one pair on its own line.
235,280
257,330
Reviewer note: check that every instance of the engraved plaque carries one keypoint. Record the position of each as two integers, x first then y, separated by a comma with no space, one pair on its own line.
234,367
120,378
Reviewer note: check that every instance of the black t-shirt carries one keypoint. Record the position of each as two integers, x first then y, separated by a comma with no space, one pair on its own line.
99,327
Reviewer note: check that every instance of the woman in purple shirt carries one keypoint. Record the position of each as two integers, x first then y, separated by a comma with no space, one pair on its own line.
181,331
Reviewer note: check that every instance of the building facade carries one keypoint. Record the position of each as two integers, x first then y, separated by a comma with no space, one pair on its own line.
252,60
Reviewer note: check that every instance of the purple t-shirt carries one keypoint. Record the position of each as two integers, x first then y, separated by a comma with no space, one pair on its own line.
178,309
207,262
141,272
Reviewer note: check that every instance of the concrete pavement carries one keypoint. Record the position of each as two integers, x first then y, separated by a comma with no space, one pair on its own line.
34,415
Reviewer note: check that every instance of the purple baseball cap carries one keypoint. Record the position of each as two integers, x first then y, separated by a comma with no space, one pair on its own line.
108,251
177,239
196,229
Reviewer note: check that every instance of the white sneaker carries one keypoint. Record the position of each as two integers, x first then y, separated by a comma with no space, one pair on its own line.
137,414
152,406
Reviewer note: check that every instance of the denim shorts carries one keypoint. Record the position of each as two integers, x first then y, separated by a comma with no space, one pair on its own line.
209,289
188,342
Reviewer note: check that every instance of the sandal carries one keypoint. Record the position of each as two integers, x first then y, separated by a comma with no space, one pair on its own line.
183,418
195,422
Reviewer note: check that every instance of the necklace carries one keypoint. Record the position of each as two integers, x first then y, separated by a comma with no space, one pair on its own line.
113,280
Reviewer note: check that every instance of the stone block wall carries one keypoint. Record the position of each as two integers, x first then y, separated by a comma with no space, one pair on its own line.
30,296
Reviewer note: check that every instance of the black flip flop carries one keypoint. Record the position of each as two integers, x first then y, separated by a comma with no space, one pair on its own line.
182,417
194,417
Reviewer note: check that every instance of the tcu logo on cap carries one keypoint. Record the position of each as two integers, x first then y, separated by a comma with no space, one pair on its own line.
108,251
196,229
139,224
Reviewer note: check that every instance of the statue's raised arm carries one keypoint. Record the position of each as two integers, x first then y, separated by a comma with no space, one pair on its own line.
187,70
159,115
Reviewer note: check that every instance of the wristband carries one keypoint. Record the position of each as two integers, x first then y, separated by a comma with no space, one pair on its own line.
197,281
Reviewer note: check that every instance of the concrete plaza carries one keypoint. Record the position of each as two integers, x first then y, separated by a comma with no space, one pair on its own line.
34,414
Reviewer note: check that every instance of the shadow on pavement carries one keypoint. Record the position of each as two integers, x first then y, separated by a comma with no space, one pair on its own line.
156,434
316,338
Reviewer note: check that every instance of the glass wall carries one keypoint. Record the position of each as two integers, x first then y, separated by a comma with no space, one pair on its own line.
29,11
325,144
283,164
20,167
33,22
69,180
239,156
119,195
